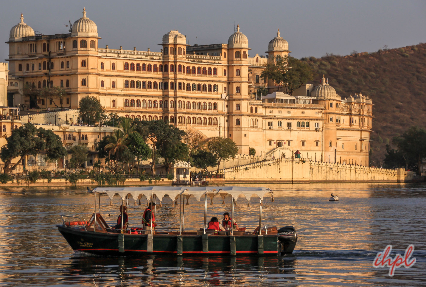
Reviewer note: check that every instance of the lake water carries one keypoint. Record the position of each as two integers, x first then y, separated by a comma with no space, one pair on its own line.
337,244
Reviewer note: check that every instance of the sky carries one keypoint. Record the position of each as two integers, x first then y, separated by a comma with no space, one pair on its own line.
311,27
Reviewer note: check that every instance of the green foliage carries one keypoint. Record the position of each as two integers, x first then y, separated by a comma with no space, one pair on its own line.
4,178
112,120
170,176
78,156
203,159
73,177
28,140
33,176
393,158
412,146
45,174
252,151
138,147
90,110
222,148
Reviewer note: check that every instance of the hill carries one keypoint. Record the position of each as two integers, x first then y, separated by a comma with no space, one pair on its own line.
395,79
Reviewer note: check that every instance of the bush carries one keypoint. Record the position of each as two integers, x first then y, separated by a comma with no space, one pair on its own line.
170,176
45,174
73,178
4,178
33,176
252,151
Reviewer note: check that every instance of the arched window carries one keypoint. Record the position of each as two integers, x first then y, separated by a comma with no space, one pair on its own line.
194,87
210,121
237,72
198,70
214,106
102,84
113,103
155,104
237,54
210,106
83,82
194,120
144,118
144,104
244,54
143,67
179,51
113,84
179,104
172,68
39,84
188,87
155,118
132,84
166,104
138,117
238,90
210,88
224,55
113,66
188,120
204,106
210,71
224,72
172,118
62,65
214,71
155,68
204,88
179,120
138,67
74,45
204,71
251,109
44,83
194,105
199,105
102,65
199,121
237,122
166,50
188,70
172,104
149,85
149,68
194,71
133,117
215,121
138,103
126,66
126,84
166,85
155,85
172,51
166,68
215,88
92,44
132,66
67,83
126,102
199,87
149,104
188,105
161,67
132,103
149,118
172,86
138,84
83,44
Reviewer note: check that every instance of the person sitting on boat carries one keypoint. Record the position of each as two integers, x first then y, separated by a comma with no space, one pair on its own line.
214,224
226,222
123,210
148,214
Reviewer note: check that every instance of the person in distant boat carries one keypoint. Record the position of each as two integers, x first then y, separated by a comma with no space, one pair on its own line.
227,222
214,224
123,210
148,214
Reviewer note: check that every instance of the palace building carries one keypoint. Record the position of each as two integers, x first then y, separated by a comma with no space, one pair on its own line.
207,88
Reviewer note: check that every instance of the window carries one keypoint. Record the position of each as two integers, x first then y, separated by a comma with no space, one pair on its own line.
62,83
237,107
39,66
210,106
172,86
280,124
214,106
180,67
68,102
149,68
62,65
113,84
102,84
199,70
132,84
255,110
237,54
237,72
113,66
343,146
143,85
74,45
166,50
83,82
257,79
92,44
331,105
44,83
83,63
199,106
180,86
316,125
179,51
166,68
126,66
155,68
224,54
155,85
270,125
214,71
138,67
330,144
138,103
289,125
355,146
83,44
132,66
188,70
303,143
172,68
317,143
245,55
20,67
288,142
204,71
224,72
67,83
307,124
149,85
331,119
238,90
138,84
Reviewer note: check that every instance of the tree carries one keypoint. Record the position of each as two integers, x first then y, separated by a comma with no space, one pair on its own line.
78,155
289,72
222,148
112,120
46,93
393,158
91,110
203,159
412,145
28,140
252,151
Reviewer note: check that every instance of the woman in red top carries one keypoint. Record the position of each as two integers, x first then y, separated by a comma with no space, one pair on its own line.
123,210
214,224
227,222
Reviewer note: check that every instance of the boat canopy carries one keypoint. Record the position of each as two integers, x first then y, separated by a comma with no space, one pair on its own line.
174,191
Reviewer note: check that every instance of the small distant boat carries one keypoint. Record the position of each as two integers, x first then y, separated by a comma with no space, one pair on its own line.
334,198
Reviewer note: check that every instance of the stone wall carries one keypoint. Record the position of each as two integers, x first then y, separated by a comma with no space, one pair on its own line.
297,170
60,117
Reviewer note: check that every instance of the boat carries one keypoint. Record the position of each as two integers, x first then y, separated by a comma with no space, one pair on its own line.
333,198
96,237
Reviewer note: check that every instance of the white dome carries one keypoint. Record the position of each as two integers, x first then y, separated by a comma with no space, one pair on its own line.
21,30
174,37
278,44
238,40
325,92
84,27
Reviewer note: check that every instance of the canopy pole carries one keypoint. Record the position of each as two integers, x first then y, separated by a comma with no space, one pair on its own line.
232,215
94,226
205,213
122,215
99,203
260,216
151,211
180,214
183,215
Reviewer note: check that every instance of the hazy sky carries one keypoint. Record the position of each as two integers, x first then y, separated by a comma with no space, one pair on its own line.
312,28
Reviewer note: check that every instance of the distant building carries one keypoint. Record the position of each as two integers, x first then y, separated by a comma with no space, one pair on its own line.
4,74
209,88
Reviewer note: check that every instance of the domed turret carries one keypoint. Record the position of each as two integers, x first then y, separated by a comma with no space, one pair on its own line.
21,30
238,40
174,37
325,92
84,27
278,44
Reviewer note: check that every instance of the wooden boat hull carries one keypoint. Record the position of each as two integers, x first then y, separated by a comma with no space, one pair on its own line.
106,243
